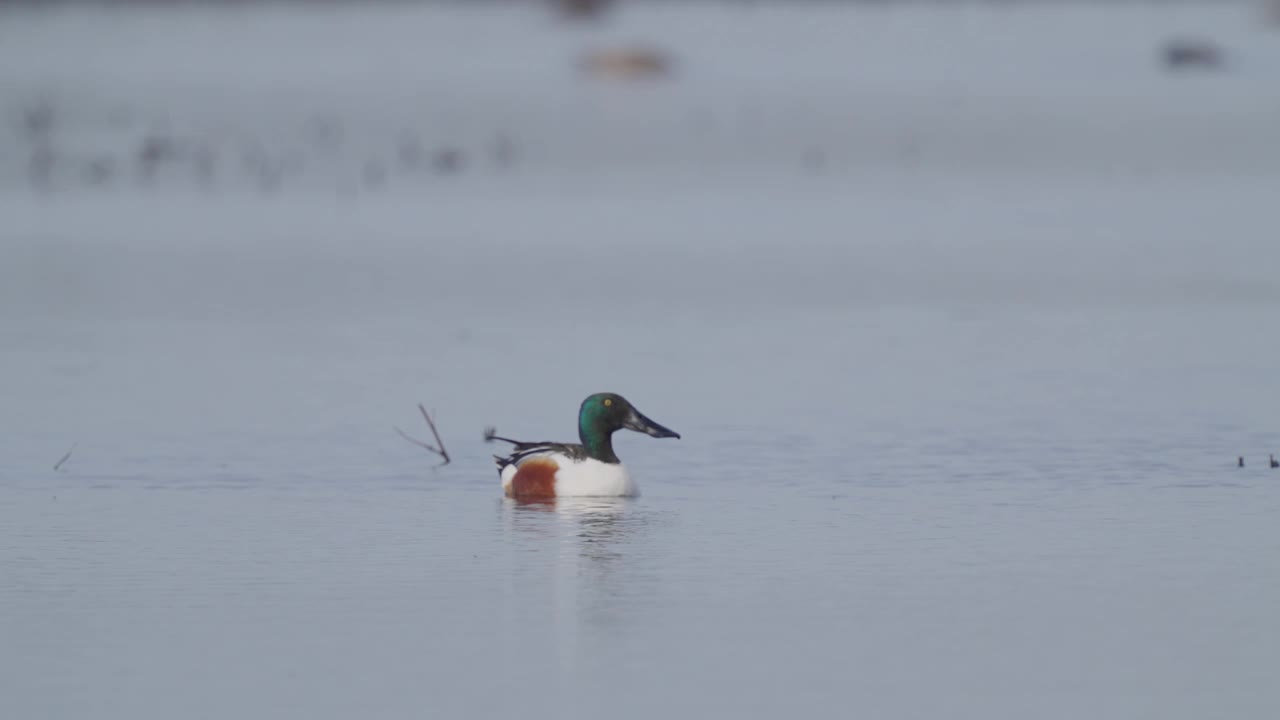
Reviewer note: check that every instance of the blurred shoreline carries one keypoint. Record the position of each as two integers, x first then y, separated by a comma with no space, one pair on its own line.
362,99
831,153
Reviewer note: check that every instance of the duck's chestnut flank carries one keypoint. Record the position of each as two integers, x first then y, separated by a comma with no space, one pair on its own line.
535,478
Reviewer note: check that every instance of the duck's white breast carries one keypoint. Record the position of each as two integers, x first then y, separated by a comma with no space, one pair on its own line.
594,478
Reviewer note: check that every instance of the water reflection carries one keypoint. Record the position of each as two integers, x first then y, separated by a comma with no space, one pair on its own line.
590,528
593,551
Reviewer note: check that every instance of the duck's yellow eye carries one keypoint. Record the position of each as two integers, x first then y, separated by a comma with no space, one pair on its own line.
608,402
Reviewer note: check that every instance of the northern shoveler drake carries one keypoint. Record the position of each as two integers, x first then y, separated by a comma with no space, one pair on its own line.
551,469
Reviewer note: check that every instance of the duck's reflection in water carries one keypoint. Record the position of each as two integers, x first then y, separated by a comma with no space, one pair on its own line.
589,528
589,554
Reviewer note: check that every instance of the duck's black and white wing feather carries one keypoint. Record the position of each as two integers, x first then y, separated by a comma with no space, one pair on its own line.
522,451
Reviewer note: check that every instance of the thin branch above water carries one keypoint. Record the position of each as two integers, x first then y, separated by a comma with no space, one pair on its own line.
438,448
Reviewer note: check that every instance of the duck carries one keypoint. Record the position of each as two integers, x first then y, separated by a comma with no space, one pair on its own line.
1274,464
589,468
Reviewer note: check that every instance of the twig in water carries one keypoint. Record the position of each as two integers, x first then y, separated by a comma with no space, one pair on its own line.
438,448
65,457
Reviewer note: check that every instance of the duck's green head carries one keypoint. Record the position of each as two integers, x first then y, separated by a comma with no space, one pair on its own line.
602,414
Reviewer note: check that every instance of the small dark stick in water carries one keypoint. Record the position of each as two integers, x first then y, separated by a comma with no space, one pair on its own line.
1274,464
438,448
67,456
1240,461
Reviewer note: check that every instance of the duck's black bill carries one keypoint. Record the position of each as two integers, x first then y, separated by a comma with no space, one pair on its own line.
640,423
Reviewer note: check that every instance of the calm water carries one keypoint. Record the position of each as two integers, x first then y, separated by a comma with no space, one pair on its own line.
960,428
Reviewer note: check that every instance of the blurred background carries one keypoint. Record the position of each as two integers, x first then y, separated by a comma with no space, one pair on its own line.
966,312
